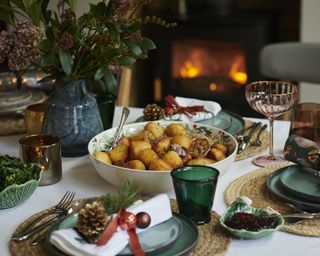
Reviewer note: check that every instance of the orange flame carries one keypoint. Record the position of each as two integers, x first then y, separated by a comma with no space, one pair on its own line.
236,73
189,70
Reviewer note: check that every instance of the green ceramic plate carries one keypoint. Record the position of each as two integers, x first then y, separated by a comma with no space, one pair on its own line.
275,186
302,181
225,120
175,236
243,204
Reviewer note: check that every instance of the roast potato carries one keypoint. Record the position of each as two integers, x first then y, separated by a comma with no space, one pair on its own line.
160,165
155,129
119,154
200,161
162,146
137,136
102,156
176,129
135,164
173,158
182,140
221,147
124,140
216,154
147,156
136,147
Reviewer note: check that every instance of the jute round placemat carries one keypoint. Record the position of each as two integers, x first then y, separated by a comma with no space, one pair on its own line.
254,150
10,125
253,185
213,240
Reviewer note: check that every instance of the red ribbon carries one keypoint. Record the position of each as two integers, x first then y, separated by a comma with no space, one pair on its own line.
111,228
172,107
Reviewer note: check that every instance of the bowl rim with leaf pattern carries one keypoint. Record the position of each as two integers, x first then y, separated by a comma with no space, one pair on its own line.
243,204
16,194
152,181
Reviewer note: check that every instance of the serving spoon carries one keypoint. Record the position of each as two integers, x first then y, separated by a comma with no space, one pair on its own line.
123,119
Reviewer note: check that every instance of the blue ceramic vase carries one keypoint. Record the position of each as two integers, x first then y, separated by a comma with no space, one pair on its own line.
72,114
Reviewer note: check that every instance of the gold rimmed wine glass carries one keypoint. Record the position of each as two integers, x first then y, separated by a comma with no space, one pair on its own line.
271,98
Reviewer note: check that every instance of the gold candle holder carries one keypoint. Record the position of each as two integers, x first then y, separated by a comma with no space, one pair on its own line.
45,150
34,118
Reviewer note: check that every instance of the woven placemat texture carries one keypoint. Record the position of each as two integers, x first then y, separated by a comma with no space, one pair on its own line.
254,150
10,125
253,185
213,240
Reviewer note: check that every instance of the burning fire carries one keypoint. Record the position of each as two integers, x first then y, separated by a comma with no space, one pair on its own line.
189,70
192,68
235,71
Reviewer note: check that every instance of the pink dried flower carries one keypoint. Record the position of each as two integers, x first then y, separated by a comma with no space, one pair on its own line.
65,41
25,52
5,45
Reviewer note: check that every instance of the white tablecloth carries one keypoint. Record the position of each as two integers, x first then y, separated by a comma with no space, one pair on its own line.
80,176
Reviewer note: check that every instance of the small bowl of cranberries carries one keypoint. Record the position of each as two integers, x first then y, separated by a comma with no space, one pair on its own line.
246,222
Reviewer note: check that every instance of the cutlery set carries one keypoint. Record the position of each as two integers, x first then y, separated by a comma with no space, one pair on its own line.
39,227
244,137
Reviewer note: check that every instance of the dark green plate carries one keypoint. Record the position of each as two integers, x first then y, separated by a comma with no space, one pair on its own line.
303,182
225,120
275,186
173,241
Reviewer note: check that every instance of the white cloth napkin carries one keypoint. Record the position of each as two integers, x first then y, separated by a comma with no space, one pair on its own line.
69,241
211,109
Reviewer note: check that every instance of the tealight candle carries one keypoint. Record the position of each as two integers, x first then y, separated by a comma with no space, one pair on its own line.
45,150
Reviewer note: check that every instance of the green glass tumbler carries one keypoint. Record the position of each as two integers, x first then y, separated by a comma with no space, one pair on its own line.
106,105
195,187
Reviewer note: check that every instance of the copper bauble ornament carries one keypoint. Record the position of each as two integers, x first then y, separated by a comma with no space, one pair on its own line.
127,220
143,220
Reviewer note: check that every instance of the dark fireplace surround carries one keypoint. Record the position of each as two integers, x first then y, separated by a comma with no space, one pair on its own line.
249,31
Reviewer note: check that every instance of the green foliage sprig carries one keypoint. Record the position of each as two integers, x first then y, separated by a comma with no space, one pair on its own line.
92,46
13,171
127,195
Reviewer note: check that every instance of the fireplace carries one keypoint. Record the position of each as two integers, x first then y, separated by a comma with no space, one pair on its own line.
207,57
215,61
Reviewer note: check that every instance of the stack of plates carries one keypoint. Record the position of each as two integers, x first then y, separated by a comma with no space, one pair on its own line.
17,101
297,185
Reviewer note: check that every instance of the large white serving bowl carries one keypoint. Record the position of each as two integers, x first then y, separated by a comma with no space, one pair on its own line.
152,181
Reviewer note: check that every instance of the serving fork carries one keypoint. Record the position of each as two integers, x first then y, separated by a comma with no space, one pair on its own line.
60,209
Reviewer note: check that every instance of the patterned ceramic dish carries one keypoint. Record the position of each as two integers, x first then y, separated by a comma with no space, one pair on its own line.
17,194
243,205
154,181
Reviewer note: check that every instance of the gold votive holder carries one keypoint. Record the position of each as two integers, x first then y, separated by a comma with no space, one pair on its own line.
34,118
45,150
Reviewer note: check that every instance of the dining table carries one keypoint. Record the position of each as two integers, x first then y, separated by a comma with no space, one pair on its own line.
79,175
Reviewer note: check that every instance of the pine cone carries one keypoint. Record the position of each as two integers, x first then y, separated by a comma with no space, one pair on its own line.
153,112
92,220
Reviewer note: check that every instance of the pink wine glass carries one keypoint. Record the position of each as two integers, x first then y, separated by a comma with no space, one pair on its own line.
271,98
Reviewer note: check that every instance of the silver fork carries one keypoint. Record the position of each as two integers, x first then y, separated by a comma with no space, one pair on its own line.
60,208
244,140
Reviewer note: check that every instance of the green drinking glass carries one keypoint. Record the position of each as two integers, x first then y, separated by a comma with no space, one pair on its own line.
106,105
195,187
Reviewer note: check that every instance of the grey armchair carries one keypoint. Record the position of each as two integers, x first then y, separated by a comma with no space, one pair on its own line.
294,61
